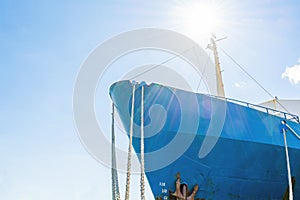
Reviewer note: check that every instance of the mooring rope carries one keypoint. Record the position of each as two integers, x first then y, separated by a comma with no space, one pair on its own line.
127,192
142,147
114,173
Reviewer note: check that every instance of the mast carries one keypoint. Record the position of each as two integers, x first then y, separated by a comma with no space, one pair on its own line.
213,47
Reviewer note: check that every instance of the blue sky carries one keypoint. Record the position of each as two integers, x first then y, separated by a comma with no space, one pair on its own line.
43,44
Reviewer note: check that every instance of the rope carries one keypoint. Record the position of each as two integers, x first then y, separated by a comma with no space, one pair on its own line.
127,192
157,65
114,173
142,147
240,66
260,85
288,165
203,71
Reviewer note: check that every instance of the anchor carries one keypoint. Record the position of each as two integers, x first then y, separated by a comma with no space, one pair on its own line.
182,192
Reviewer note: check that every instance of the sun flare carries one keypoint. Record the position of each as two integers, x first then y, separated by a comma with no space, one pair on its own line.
198,18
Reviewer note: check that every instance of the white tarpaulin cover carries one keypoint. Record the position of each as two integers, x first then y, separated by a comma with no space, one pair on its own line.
285,105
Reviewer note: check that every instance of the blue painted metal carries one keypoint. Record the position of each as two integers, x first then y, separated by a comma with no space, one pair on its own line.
247,162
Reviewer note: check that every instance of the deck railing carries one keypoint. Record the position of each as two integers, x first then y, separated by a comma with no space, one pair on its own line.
282,114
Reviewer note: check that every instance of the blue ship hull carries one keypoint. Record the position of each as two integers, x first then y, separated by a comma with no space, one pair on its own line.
243,159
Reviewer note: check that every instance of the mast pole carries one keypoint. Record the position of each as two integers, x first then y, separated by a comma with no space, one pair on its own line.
220,85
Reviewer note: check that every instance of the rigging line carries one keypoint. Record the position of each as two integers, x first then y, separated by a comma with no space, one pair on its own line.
203,72
240,66
157,65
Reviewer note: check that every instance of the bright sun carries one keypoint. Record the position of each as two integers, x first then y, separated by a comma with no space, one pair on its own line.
198,18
